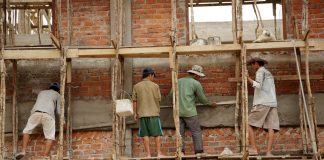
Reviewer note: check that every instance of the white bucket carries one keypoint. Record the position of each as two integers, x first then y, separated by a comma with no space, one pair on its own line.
124,107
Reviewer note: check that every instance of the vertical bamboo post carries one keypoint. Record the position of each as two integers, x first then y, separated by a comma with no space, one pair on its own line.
2,85
192,23
302,125
237,75
244,101
69,110
118,122
274,11
62,80
174,67
234,22
14,108
239,40
311,99
69,126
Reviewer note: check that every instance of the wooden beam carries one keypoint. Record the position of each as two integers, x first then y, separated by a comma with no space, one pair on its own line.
31,54
286,78
155,52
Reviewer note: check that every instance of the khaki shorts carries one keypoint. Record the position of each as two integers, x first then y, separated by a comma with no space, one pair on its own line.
264,117
45,120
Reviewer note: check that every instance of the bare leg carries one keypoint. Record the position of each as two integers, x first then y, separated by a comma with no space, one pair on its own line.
49,143
270,141
25,143
146,141
252,139
158,146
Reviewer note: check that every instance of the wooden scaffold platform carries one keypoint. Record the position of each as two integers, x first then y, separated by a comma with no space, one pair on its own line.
65,53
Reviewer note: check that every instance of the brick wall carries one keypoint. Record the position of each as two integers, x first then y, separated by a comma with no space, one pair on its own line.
287,140
216,82
86,145
316,17
151,22
90,22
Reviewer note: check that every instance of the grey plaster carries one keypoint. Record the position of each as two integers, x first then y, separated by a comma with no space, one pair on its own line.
94,112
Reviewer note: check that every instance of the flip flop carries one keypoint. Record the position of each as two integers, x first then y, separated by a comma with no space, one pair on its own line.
253,152
20,156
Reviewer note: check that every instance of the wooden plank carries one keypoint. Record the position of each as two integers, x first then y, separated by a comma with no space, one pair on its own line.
287,78
31,54
107,53
154,52
273,46
145,51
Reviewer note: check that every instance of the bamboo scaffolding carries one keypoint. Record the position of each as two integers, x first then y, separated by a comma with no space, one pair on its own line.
174,67
192,23
69,126
118,122
307,112
244,102
311,98
63,72
14,108
3,84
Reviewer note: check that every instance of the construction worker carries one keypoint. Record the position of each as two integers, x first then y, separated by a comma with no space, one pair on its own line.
191,90
43,113
146,104
264,113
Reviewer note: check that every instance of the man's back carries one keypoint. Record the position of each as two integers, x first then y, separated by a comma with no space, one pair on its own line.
47,101
190,90
147,95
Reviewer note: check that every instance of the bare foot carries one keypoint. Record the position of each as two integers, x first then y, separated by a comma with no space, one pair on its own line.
269,154
160,155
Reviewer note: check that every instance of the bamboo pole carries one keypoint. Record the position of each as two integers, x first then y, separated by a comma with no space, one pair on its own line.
62,81
309,120
14,108
174,67
116,83
237,75
69,130
244,101
274,11
2,85
69,111
192,23
302,125
311,98
234,22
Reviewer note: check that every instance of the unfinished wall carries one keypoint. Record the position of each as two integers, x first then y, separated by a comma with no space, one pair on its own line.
151,23
316,17
288,139
90,22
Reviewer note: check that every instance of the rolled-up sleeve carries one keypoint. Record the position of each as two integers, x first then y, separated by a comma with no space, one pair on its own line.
201,95
259,77
134,95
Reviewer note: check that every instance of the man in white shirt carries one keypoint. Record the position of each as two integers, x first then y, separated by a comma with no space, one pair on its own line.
43,113
264,113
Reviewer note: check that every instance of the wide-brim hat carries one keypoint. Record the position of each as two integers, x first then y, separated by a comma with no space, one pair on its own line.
198,70
256,59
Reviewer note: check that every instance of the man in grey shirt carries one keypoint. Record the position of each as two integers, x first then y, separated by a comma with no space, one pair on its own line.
264,113
43,112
